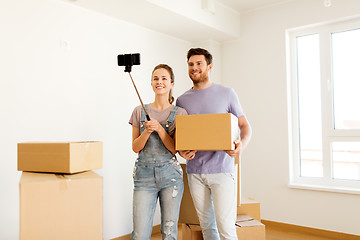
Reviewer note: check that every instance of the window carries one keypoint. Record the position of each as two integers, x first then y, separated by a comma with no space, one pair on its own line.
324,106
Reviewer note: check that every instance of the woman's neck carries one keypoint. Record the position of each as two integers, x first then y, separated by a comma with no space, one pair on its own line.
160,103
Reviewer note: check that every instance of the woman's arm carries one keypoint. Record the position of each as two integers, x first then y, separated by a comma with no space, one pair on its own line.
167,140
139,141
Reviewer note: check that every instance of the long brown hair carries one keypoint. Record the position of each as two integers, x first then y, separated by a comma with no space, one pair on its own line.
172,76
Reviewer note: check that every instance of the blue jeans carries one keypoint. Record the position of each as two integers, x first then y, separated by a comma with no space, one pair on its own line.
154,181
215,197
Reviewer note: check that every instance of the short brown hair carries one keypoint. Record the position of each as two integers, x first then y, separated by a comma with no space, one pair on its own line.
172,76
200,51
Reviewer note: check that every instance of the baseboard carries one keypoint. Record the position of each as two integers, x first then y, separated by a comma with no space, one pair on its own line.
308,230
156,229
283,227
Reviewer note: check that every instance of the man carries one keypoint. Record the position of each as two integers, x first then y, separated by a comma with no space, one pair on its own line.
211,175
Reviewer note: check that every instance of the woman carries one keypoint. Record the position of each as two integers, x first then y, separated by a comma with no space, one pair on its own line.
157,173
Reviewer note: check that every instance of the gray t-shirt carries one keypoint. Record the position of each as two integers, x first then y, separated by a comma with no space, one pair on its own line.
160,115
215,99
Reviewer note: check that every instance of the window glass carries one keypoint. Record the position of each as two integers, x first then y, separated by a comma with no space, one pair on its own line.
309,98
346,77
346,160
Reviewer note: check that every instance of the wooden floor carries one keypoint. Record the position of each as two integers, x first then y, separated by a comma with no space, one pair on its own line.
276,233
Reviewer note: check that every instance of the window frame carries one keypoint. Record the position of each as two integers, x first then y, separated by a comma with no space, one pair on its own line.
329,134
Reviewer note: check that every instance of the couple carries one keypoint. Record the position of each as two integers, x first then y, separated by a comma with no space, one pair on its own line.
158,174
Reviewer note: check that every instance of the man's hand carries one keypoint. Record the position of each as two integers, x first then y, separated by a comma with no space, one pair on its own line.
237,151
188,154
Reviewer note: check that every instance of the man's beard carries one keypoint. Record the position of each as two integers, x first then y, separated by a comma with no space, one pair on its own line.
200,79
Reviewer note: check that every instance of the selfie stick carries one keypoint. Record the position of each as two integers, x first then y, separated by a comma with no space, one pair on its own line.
146,114
128,60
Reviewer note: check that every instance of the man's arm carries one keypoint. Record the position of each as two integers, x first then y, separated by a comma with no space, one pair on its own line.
245,135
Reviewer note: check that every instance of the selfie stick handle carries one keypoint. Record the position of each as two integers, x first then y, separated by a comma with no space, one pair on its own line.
146,114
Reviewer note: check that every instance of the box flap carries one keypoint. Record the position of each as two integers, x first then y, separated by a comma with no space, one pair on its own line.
247,221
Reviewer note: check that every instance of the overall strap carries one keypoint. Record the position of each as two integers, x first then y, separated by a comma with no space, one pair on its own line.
143,118
172,115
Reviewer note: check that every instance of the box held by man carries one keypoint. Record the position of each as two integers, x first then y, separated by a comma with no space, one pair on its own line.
206,132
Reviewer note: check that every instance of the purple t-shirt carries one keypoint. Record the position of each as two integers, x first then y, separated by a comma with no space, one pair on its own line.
214,99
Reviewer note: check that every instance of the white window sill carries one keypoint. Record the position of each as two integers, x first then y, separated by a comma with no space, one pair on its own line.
324,188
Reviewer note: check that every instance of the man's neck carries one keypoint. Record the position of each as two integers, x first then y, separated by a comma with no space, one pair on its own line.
202,85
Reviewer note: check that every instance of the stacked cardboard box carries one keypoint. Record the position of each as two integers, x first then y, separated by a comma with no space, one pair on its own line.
60,195
66,157
247,228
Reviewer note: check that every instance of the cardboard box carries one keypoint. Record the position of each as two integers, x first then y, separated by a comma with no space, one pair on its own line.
191,232
59,207
66,157
248,228
250,207
187,213
206,132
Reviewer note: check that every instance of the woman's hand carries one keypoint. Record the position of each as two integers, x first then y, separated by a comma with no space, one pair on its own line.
152,125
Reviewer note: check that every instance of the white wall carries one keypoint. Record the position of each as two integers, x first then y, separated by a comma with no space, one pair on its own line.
59,81
255,65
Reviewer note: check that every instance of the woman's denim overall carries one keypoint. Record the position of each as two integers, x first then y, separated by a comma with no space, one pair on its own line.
157,174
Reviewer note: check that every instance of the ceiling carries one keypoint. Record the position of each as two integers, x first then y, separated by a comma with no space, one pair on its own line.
191,20
242,6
